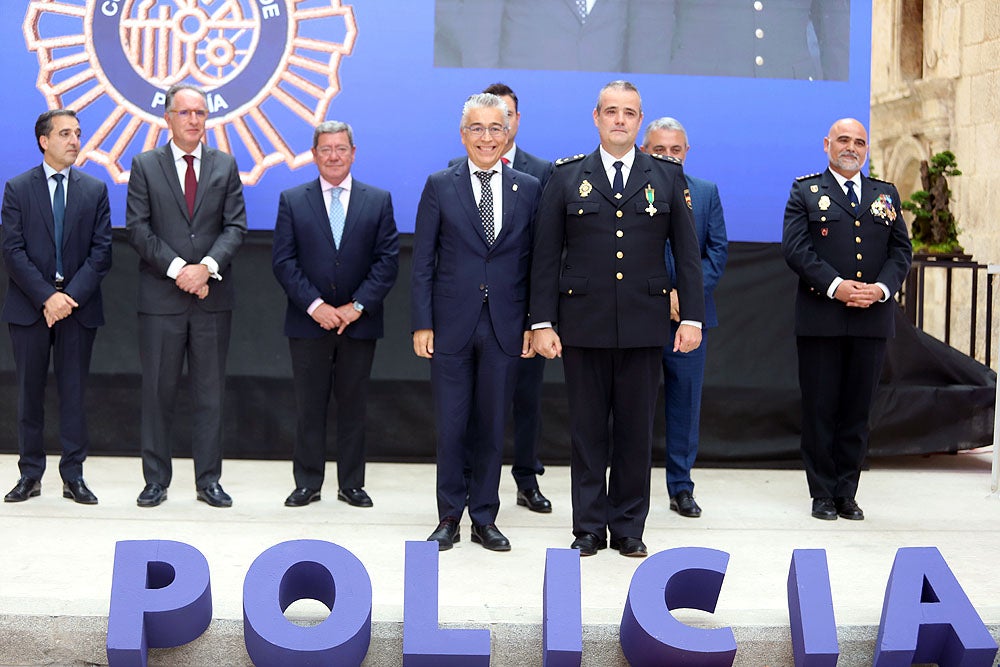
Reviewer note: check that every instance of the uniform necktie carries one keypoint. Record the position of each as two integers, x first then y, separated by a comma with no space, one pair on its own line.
190,185
619,183
581,10
59,217
851,197
486,204
337,216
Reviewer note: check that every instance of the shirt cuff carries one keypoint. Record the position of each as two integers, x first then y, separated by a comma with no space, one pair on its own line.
693,323
175,267
213,267
885,291
832,289
541,325
314,305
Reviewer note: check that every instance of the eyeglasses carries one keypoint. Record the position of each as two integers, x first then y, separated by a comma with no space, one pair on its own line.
339,150
200,114
480,130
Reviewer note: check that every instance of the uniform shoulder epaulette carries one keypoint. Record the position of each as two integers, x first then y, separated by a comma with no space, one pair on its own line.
572,158
808,176
879,180
666,158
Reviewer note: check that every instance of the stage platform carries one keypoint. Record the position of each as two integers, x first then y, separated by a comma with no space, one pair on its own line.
56,557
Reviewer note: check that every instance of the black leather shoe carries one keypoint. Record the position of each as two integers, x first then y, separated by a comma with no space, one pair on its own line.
490,537
533,500
24,489
152,495
683,503
823,508
215,496
588,544
629,546
354,497
446,534
78,492
848,509
301,497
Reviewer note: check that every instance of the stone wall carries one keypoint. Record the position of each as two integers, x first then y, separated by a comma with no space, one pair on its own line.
936,86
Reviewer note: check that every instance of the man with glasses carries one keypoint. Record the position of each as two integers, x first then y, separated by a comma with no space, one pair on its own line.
336,255
186,218
471,258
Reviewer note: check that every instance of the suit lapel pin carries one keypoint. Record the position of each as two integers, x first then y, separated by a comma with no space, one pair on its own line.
585,188
514,187
650,194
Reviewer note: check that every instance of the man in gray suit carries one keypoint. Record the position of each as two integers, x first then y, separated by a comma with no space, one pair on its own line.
186,218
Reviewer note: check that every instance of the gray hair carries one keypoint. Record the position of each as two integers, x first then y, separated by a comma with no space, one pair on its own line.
665,123
620,84
484,101
333,127
168,103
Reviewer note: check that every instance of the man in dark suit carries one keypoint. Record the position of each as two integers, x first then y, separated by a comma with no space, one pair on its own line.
186,218
845,238
598,272
684,374
471,259
57,249
527,402
336,255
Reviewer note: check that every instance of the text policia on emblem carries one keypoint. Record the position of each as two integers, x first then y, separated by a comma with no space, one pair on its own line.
161,597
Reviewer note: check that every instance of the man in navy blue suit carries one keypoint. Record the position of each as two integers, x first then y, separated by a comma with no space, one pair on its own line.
527,401
684,374
471,259
57,249
336,255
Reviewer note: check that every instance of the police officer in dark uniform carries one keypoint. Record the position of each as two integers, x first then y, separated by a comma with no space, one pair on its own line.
845,238
599,276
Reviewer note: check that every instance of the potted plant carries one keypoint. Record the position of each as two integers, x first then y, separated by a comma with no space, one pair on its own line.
933,229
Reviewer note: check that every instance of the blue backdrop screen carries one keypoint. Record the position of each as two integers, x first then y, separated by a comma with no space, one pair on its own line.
399,70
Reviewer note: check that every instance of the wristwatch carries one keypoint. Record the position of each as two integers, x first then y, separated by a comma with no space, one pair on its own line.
358,307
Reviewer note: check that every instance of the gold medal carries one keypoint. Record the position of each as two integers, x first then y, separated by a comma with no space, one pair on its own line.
585,188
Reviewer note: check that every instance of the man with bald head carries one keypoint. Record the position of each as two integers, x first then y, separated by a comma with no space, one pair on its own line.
845,238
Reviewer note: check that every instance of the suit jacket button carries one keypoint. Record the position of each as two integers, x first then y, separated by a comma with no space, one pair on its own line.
619,213
569,291
664,291
823,219
619,254
858,255
619,275
580,212
857,223
859,274
857,239
619,233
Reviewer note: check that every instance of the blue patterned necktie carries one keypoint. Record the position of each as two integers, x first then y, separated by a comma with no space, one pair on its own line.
59,217
851,197
337,215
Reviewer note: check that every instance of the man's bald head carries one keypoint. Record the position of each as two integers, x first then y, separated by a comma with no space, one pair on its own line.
847,146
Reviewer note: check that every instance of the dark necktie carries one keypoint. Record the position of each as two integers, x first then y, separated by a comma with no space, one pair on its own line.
59,217
619,183
851,197
581,10
486,204
190,185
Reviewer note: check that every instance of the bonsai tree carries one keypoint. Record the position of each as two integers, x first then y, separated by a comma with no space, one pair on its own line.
933,228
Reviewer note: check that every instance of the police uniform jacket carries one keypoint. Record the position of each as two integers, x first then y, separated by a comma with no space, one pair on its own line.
598,268
824,238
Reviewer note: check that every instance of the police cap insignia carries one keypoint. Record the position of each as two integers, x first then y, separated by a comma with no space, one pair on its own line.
572,158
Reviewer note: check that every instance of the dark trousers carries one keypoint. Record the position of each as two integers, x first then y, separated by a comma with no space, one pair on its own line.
339,365
683,378
478,379
838,376
619,385
165,341
70,345
527,412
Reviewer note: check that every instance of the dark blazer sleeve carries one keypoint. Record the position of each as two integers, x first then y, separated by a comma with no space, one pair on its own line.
384,261
285,261
86,279
687,253
713,259
139,217
234,214
22,269
425,240
797,245
550,227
